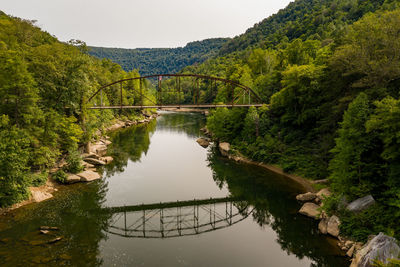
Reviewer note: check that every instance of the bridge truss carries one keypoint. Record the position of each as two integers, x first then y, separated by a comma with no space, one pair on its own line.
175,219
238,95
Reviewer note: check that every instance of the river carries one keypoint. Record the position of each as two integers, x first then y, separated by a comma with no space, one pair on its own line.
166,201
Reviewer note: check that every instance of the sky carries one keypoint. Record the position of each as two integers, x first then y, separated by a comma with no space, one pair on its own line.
144,23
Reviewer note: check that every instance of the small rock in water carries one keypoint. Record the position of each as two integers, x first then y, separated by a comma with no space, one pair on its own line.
48,228
45,232
65,257
203,142
51,241
306,197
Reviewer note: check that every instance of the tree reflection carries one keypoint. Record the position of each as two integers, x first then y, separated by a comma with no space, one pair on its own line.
129,144
275,206
182,122
81,223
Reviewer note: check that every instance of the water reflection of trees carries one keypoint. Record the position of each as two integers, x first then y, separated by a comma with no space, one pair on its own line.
182,122
275,206
81,224
129,144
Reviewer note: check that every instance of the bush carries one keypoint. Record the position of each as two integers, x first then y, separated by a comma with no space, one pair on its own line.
74,162
39,179
60,176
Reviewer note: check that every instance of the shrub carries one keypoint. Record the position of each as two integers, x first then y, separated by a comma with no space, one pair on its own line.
60,176
74,162
38,179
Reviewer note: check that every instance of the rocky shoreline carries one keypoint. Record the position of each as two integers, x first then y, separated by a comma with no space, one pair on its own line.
381,246
94,157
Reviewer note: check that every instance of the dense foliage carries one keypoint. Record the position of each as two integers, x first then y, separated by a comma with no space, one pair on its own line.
44,91
161,60
333,103
305,19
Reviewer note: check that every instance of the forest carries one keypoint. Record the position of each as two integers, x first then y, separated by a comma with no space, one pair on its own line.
329,72
44,89
160,60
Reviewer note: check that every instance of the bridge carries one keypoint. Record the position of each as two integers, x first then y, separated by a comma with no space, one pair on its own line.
175,219
237,95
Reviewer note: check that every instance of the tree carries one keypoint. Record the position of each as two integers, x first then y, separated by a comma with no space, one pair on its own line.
351,168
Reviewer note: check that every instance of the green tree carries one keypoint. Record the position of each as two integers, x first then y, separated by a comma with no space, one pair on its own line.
351,169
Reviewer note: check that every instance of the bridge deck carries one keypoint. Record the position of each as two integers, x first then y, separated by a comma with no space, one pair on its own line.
166,205
177,106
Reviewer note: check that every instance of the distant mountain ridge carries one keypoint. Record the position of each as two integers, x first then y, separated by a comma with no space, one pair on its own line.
161,60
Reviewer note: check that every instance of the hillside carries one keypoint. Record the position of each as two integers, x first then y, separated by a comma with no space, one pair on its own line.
160,60
304,19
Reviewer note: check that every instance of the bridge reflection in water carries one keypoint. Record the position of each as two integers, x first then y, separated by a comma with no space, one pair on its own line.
175,219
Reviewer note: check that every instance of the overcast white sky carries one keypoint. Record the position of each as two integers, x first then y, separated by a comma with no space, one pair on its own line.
144,23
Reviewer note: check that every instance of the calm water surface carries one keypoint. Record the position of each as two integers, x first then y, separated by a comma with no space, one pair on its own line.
166,201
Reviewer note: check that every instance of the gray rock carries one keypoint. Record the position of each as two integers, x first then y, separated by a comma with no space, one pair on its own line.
306,197
94,161
361,204
203,142
381,247
224,148
333,226
310,209
88,176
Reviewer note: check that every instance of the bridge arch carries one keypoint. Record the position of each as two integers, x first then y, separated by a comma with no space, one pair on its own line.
176,219
236,95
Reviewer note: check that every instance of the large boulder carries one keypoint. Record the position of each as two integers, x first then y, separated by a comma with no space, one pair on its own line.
333,226
224,148
310,209
381,247
306,197
361,204
203,142
88,176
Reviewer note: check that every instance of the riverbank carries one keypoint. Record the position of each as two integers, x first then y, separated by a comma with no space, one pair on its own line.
381,247
95,151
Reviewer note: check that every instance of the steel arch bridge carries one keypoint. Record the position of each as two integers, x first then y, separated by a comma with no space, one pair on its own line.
176,219
236,93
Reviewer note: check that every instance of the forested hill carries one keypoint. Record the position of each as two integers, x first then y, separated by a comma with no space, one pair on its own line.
304,19
161,60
